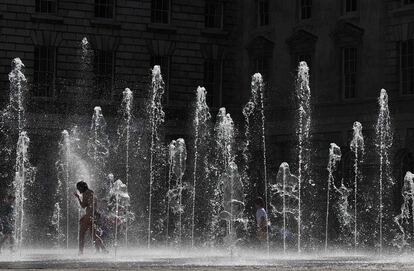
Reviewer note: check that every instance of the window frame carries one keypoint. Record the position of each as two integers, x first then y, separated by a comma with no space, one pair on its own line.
221,7
38,6
410,81
99,76
301,7
344,74
345,5
106,6
39,73
160,10
259,15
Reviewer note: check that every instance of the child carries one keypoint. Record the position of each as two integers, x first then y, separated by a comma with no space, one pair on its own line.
87,222
261,219
6,221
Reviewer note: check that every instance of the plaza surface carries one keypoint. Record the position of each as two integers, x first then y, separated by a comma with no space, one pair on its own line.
201,260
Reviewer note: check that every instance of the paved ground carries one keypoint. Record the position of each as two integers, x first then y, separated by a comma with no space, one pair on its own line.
199,260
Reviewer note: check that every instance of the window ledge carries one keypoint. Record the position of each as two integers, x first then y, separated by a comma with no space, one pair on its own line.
161,27
350,16
106,22
214,32
45,17
404,10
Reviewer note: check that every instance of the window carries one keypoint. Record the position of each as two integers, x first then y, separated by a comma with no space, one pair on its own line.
212,81
214,14
164,63
349,69
104,73
262,12
46,6
44,71
408,2
350,6
305,9
406,66
160,11
104,8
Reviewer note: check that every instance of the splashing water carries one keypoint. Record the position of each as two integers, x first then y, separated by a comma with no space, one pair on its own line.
224,138
287,187
24,175
201,118
383,144
171,154
56,221
156,119
17,93
233,201
179,160
119,193
357,146
303,95
403,217
334,158
98,149
124,131
256,103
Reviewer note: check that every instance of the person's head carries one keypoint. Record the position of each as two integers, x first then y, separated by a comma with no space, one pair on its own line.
82,187
259,202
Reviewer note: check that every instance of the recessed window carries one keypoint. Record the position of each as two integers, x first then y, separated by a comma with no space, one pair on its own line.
406,66
349,72
160,11
212,81
305,9
262,12
46,6
104,8
44,71
350,5
408,2
261,63
104,73
164,63
214,14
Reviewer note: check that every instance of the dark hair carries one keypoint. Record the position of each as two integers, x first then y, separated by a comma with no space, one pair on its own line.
82,186
259,201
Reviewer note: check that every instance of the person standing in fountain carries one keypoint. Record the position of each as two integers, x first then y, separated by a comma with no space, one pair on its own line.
87,222
261,219
6,222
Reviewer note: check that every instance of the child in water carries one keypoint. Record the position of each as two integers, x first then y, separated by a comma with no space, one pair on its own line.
261,219
87,222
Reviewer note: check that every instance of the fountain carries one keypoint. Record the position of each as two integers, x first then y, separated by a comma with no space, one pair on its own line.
383,144
233,202
98,149
256,105
334,158
156,118
24,175
287,187
303,96
358,148
201,118
124,132
171,155
120,198
406,209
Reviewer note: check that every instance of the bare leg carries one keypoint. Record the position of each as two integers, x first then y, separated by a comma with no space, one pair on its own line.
84,224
